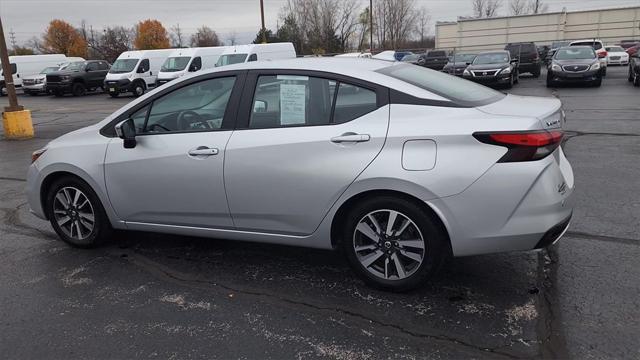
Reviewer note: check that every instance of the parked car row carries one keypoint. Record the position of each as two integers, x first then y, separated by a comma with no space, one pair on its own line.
133,71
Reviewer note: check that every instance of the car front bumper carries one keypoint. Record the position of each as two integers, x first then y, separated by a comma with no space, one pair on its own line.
118,86
500,79
59,86
35,88
564,76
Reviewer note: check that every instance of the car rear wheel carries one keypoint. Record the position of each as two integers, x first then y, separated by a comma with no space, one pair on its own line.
76,214
636,80
58,93
536,73
630,78
597,83
78,89
392,244
138,89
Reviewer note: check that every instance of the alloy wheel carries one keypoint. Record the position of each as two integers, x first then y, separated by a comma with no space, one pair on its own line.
388,244
73,213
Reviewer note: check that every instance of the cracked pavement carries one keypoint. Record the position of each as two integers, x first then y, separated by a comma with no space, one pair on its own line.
159,296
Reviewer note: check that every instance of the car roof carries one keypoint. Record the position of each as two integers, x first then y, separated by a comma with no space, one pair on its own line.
494,52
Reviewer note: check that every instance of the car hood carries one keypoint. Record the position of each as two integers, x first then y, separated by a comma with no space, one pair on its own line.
529,106
575,62
488,66
64,72
112,76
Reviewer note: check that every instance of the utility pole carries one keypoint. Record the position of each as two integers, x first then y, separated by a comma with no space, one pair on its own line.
16,121
371,26
264,30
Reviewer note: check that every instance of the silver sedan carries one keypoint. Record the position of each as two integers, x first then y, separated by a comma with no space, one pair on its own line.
397,165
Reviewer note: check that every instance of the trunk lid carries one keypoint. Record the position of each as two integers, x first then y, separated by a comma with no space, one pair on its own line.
547,110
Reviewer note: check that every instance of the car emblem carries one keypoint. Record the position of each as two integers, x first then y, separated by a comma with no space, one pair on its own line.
575,68
562,188
484,73
551,123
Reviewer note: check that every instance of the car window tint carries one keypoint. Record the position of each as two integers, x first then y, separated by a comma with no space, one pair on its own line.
92,66
144,65
353,102
103,66
291,100
196,107
437,54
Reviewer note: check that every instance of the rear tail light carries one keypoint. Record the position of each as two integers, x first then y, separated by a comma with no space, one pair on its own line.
603,54
525,145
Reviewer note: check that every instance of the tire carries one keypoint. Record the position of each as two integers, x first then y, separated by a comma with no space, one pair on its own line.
58,93
78,89
630,78
636,80
33,93
392,270
604,71
78,214
597,83
114,95
2,91
536,73
510,84
550,82
517,79
138,89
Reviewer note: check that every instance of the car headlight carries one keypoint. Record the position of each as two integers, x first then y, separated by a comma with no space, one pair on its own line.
595,66
556,67
466,72
506,70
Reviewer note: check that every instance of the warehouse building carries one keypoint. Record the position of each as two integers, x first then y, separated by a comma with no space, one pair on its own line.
609,25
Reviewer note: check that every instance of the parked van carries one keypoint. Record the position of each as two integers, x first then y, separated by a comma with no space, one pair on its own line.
256,52
27,65
183,61
37,84
135,71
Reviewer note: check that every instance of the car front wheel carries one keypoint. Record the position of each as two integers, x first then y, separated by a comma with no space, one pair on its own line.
76,214
392,244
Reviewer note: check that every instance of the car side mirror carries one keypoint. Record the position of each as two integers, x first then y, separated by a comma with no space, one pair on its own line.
260,106
514,61
126,130
468,63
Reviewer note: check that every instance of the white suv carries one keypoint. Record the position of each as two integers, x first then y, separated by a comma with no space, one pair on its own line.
598,47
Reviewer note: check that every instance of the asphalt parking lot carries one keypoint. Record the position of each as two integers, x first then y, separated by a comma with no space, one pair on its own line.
156,296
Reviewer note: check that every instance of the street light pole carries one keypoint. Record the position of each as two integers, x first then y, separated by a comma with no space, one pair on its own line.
8,74
371,26
264,30
16,121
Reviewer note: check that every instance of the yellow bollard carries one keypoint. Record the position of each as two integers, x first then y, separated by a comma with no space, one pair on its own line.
17,124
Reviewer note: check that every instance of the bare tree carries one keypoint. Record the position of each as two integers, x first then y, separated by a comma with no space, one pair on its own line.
363,29
422,23
177,36
205,36
486,8
518,7
538,7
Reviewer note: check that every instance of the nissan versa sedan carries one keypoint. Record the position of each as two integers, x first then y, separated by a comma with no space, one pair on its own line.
399,166
495,68
575,64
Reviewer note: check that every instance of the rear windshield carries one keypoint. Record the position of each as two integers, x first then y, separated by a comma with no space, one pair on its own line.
614,49
522,48
465,58
437,54
459,91
594,44
575,53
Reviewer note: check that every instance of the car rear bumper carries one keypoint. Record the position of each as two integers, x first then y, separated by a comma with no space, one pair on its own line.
512,207
490,80
530,67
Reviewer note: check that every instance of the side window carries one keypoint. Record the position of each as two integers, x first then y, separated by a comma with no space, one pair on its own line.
196,64
195,107
103,65
14,68
144,66
353,102
253,57
291,100
92,66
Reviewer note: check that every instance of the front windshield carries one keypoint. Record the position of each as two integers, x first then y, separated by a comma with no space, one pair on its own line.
173,64
492,58
231,59
465,58
122,66
594,44
460,91
615,49
49,69
78,65
575,53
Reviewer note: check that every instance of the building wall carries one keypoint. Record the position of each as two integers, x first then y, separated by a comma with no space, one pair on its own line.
609,25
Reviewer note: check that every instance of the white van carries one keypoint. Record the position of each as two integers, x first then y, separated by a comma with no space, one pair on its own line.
37,84
26,65
183,61
256,52
135,71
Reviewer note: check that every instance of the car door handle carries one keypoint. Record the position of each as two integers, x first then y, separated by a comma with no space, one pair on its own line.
203,151
350,137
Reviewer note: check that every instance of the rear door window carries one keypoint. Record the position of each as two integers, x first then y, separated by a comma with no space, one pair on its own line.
353,102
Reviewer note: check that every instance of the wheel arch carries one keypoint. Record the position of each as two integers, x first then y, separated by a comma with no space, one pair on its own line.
340,215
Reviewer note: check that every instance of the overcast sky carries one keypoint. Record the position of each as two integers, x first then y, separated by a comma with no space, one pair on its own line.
28,18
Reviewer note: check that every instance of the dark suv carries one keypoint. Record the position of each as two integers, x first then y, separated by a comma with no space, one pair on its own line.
634,69
78,77
435,59
527,55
